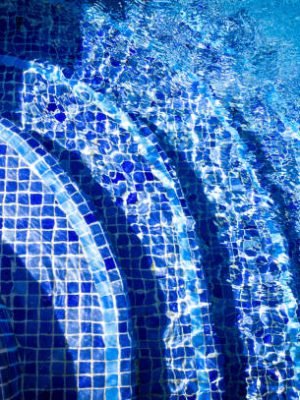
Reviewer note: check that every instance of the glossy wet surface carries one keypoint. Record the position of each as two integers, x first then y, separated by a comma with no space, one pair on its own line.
149,175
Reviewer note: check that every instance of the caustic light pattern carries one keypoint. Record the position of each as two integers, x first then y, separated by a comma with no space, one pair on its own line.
149,194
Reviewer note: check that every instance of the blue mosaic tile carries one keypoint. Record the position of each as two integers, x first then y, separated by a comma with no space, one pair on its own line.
149,176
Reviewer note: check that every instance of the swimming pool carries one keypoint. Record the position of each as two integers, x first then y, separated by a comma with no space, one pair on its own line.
149,176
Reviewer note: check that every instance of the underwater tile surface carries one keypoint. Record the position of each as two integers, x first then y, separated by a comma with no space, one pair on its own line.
150,203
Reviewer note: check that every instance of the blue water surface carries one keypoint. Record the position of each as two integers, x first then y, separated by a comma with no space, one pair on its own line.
150,203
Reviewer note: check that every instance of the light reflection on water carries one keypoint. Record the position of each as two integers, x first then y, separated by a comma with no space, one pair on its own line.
199,99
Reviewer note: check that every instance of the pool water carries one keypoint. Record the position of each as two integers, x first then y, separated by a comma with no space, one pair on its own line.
150,203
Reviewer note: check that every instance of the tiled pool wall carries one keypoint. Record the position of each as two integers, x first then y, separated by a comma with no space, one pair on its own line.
150,230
